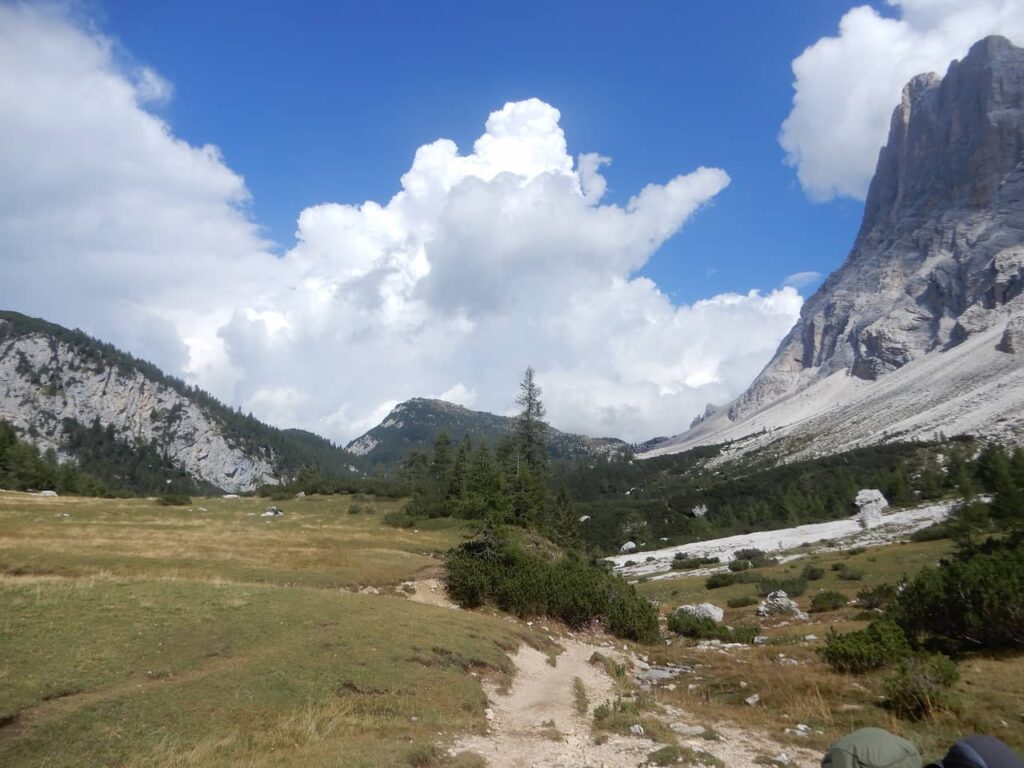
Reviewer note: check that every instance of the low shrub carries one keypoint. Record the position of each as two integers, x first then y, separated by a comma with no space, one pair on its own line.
812,572
742,601
529,576
716,580
174,500
792,587
971,602
749,553
399,519
874,598
740,565
848,574
828,600
682,563
921,685
704,628
880,644
933,532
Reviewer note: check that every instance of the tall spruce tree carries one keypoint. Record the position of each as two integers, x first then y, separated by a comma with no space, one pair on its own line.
530,427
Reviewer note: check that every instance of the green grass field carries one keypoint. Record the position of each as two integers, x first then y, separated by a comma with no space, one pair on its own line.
138,635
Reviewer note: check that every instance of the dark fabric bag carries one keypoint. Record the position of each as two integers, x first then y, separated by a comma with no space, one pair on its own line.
872,748
979,752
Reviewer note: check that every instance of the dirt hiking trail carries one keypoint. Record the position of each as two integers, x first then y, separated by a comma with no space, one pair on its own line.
536,723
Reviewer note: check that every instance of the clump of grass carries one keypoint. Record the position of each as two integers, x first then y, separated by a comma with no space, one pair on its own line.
424,756
579,696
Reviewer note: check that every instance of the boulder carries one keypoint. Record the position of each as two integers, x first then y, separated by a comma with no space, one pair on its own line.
1012,340
778,603
706,610
272,512
49,494
870,505
629,546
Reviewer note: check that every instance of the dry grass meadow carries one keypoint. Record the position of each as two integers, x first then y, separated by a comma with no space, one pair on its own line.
138,635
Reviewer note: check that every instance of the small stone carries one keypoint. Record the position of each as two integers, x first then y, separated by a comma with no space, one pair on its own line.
687,730
637,730
753,700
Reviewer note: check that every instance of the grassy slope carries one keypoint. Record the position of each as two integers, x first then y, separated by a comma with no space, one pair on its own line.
989,692
132,634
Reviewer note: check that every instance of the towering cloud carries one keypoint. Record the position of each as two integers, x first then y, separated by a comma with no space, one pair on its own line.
482,263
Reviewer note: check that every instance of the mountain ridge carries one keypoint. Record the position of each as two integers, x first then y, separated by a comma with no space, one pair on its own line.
54,379
415,424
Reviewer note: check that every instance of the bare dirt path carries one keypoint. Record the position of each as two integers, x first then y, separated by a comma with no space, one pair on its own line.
536,723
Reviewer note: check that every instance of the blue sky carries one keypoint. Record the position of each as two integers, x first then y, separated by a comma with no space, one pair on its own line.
316,102
265,198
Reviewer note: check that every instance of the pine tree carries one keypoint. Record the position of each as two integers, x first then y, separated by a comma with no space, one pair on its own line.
530,426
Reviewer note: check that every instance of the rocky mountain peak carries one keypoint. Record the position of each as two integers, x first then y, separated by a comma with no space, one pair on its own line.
941,246
937,267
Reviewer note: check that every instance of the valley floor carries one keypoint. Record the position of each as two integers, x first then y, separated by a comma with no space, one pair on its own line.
138,635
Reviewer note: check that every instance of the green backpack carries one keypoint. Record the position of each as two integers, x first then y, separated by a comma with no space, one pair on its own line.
872,748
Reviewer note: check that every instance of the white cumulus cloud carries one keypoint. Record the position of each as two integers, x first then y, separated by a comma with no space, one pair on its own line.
483,262
846,86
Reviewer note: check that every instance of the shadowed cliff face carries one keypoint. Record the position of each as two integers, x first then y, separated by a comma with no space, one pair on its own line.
940,251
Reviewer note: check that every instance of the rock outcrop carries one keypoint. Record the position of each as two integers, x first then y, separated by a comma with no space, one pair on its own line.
938,264
870,505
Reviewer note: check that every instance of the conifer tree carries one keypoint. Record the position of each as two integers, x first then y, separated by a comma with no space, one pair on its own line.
530,427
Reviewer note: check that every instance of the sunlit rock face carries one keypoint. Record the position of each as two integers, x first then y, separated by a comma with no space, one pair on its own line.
940,251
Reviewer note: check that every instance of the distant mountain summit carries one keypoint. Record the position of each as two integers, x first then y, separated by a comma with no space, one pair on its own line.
922,328
416,423
68,392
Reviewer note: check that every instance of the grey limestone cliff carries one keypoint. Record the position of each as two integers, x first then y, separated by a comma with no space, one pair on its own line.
940,251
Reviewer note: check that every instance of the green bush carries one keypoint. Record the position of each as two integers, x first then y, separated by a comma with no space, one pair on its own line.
749,554
716,580
921,685
740,565
828,600
848,574
812,572
881,643
174,500
704,628
933,532
792,587
682,563
742,601
876,597
971,602
529,576
399,519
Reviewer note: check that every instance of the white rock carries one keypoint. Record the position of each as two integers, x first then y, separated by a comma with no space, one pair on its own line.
637,730
707,610
629,546
870,503
753,699
779,603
